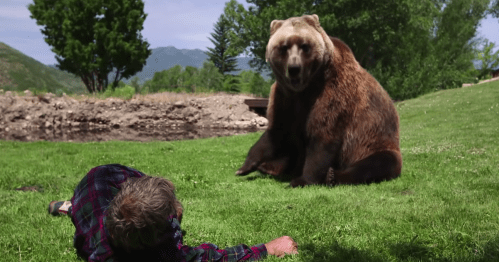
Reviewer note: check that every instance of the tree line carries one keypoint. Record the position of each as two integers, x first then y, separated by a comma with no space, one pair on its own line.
206,79
411,47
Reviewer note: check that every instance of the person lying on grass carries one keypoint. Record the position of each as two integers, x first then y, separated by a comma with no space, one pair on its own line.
121,214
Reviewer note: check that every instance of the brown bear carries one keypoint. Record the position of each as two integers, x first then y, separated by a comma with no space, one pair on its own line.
330,121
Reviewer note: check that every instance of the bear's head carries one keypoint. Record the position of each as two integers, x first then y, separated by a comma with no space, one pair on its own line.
297,50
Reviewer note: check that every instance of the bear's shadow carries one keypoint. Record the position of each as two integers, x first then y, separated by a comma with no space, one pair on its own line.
414,250
403,251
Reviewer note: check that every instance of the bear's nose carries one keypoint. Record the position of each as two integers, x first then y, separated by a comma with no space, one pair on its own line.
294,70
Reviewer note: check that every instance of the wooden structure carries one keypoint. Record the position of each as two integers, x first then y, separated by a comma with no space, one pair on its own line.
258,105
495,73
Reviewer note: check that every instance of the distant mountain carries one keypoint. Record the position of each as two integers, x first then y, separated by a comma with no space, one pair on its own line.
19,72
163,58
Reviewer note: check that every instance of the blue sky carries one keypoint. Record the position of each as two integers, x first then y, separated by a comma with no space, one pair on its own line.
184,24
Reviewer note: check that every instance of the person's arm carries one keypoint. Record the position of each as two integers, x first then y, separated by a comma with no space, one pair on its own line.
282,246
209,252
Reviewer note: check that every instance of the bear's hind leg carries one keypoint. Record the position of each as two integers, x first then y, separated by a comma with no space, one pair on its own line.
380,166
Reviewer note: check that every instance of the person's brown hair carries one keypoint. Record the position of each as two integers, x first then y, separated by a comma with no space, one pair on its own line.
136,217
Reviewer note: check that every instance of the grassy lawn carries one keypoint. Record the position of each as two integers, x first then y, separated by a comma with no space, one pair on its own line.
444,207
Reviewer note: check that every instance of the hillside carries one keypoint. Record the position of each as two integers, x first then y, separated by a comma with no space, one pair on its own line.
20,72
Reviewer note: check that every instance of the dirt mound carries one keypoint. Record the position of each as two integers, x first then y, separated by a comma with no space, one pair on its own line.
31,117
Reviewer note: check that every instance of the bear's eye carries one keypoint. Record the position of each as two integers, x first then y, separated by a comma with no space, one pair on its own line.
305,48
283,50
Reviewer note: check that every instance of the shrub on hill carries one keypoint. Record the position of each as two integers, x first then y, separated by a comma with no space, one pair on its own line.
124,92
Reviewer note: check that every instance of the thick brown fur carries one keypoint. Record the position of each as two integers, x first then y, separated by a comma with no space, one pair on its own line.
330,121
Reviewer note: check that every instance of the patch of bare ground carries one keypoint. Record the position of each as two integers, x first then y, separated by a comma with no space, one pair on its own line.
481,82
162,116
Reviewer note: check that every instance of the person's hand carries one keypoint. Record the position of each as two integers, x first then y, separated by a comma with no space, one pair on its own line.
282,246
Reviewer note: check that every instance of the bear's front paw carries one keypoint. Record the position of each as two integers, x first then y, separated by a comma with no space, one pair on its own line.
241,172
245,169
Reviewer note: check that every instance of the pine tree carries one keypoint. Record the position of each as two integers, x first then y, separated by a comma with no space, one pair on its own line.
232,84
221,55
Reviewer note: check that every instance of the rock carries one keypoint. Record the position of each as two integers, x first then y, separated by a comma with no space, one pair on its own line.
179,104
59,105
28,93
49,95
234,117
242,124
247,116
188,112
261,121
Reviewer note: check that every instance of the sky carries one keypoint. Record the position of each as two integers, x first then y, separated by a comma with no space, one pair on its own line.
184,24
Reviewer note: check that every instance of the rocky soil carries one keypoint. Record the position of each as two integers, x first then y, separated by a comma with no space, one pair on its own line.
65,118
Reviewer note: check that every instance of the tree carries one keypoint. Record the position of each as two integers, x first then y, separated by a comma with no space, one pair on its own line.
93,38
135,84
169,79
231,84
222,56
189,78
209,77
439,56
252,82
488,58
258,85
494,10
245,78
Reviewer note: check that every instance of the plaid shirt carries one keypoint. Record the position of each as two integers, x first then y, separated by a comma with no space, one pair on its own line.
91,199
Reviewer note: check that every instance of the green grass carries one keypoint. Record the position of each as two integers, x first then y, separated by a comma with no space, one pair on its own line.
21,72
444,207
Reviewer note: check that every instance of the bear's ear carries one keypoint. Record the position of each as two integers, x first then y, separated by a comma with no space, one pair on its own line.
276,24
312,20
